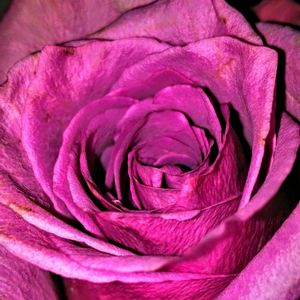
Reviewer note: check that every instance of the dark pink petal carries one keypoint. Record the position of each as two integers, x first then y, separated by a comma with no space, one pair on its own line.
29,25
235,72
55,96
71,260
22,280
283,11
164,234
107,112
274,272
288,40
179,23
200,188
206,288
236,241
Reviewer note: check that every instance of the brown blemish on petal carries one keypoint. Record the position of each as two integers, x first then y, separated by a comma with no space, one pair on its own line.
223,19
298,40
223,68
21,210
69,51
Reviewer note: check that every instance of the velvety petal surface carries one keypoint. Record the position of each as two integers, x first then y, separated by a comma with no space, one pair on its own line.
181,22
20,280
288,40
53,96
165,233
237,240
29,25
235,72
206,288
274,272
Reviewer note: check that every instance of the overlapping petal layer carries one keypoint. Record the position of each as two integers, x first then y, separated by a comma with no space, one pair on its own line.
22,280
288,40
28,25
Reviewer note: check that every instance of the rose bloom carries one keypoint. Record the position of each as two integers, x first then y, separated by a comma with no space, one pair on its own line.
147,151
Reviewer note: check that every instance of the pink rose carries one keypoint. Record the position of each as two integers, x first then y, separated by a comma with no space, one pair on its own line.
150,155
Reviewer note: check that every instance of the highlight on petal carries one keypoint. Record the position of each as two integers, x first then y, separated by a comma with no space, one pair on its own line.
28,25
274,272
181,22
288,40
22,280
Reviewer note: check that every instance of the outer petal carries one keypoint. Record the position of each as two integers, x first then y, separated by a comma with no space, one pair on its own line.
30,25
180,22
53,96
288,40
274,272
20,280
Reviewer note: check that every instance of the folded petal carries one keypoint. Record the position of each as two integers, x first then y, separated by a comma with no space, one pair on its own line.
288,40
207,288
274,272
54,96
29,25
235,72
179,23
21,280
230,246
164,233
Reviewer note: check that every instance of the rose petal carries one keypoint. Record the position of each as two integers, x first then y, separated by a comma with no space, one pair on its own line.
111,110
64,258
22,280
54,97
157,234
206,288
29,25
274,272
288,40
179,23
236,72
234,243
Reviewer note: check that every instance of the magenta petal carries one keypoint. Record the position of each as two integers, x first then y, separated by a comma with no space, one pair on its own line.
243,235
206,288
181,22
22,280
29,25
164,233
236,72
288,40
274,272
54,97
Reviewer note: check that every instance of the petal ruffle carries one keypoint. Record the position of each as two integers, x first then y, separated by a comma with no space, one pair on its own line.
235,72
28,25
54,97
181,22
